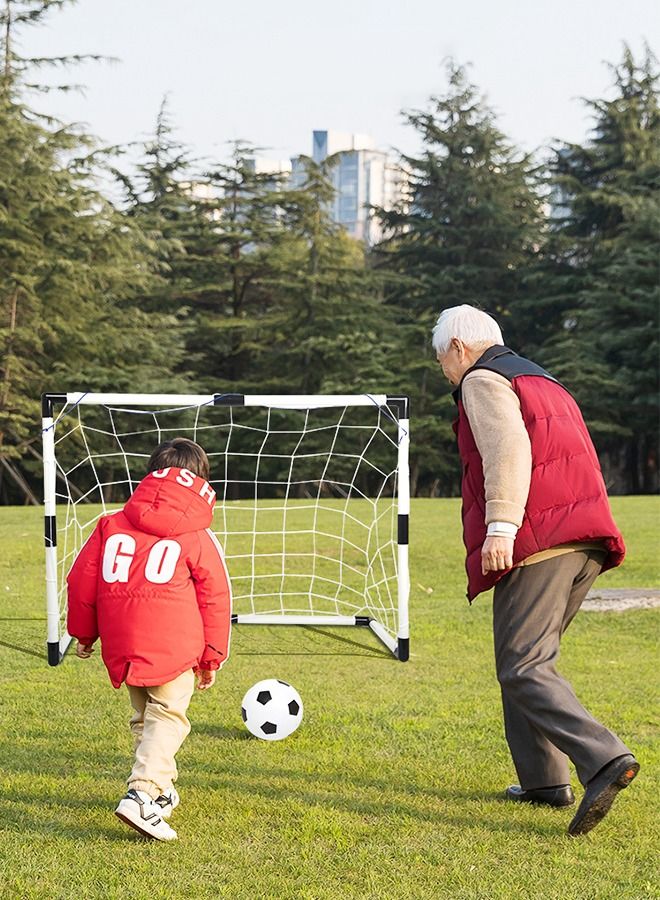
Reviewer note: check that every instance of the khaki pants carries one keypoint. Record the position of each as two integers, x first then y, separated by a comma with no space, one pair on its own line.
159,727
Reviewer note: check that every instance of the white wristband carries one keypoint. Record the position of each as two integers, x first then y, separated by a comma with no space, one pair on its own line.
502,529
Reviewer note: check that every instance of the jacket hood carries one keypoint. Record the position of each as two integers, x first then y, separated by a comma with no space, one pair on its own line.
171,501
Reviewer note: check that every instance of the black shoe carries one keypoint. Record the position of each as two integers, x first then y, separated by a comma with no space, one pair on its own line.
601,792
558,795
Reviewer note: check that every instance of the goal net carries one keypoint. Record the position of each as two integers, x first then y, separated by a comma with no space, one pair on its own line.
312,498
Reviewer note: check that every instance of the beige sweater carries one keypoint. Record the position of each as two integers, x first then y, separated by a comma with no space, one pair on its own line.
493,411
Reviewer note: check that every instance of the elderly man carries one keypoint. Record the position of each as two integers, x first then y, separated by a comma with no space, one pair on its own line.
537,527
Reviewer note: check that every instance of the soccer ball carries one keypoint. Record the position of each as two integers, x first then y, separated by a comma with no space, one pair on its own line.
272,709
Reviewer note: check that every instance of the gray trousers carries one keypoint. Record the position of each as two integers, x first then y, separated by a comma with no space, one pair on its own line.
544,723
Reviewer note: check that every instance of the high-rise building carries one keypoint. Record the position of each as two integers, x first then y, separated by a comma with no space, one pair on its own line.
279,168
363,177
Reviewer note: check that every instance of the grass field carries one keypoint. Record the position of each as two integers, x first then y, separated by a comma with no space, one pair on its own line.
392,786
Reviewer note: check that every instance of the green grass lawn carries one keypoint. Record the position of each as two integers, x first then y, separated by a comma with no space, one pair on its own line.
391,788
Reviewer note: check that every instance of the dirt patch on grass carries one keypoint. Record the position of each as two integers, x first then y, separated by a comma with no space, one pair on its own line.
621,599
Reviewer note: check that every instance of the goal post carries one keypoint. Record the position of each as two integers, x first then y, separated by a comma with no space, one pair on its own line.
313,498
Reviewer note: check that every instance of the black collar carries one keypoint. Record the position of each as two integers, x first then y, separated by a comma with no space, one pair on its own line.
488,355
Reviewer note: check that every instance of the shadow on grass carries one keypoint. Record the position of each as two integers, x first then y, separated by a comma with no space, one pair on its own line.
44,821
360,795
233,733
22,650
18,647
49,813
348,796
341,792
340,781
288,643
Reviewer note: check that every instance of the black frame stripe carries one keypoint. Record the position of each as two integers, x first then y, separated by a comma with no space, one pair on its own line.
400,405
229,399
50,531
47,401
402,528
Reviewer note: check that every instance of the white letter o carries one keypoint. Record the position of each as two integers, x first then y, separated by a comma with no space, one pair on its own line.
162,561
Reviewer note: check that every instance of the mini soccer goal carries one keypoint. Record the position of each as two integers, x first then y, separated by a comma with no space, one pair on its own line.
312,509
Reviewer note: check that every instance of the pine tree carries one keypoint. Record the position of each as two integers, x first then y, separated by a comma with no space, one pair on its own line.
464,233
69,267
599,289
334,329
224,236
328,331
161,197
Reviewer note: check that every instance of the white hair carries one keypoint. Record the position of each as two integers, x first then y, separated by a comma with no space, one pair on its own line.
472,326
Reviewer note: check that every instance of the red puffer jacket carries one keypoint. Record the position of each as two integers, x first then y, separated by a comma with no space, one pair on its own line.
567,499
151,582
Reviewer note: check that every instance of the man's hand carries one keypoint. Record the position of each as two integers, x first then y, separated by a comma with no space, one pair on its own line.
205,679
496,554
84,651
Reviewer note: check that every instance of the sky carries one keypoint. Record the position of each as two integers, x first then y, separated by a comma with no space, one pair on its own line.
272,72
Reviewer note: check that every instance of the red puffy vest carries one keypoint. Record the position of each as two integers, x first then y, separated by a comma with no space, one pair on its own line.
151,583
567,497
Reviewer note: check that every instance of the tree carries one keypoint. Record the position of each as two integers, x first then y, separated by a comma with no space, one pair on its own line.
599,290
230,293
335,332
69,269
161,197
328,331
464,233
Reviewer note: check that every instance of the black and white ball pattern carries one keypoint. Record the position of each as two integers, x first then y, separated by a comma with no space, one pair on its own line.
272,709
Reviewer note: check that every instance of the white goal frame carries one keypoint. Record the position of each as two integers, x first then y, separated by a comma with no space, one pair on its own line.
397,408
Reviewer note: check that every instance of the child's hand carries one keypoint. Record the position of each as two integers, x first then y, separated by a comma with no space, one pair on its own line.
84,651
205,679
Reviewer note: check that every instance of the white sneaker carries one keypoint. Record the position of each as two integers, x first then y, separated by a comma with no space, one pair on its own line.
168,802
139,811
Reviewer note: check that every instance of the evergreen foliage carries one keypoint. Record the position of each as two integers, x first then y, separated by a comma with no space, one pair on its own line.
336,334
234,295
70,269
463,234
596,293
223,278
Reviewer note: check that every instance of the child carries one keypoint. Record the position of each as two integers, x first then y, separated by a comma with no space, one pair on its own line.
152,584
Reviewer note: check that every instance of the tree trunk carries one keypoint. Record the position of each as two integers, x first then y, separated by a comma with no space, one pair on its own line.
650,465
16,476
6,382
414,476
632,459
8,39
